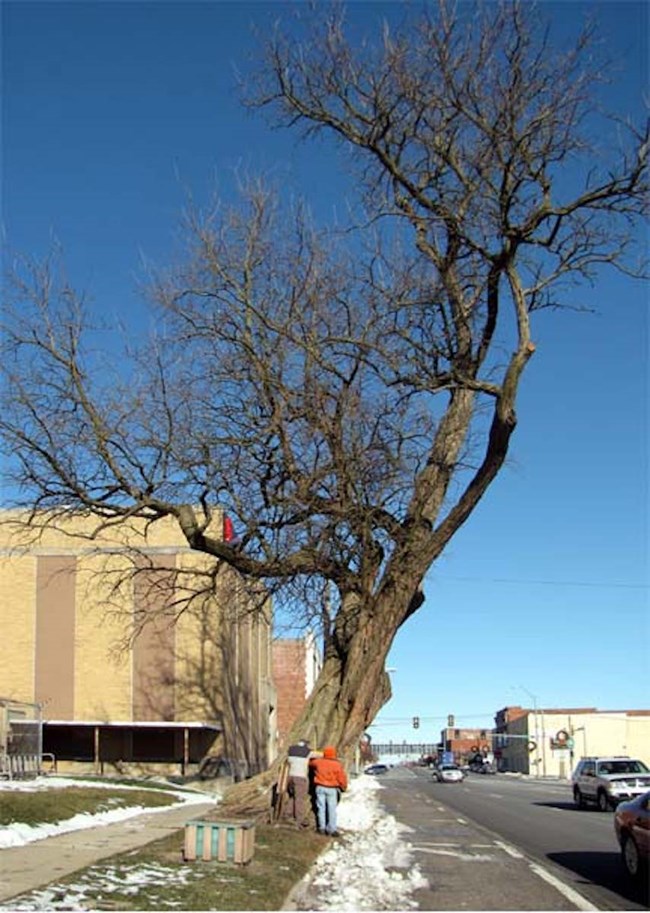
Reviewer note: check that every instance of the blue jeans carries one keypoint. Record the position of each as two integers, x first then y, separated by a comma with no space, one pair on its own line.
327,798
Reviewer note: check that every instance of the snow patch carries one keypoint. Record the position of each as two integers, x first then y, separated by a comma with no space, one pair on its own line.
358,871
19,834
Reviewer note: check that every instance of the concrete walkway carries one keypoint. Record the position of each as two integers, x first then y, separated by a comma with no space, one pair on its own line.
467,869
24,868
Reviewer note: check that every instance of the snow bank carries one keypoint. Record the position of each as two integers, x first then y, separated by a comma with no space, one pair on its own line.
358,872
19,834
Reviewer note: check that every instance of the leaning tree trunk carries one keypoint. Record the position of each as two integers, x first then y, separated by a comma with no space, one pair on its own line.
351,688
353,685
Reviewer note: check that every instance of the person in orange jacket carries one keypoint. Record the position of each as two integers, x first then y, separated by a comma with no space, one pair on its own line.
329,779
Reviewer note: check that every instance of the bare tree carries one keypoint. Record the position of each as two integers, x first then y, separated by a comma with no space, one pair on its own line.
347,396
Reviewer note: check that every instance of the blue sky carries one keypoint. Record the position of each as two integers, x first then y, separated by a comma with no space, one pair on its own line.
113,110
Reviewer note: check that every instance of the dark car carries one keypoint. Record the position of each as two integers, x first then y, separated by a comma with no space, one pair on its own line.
376,769
632,826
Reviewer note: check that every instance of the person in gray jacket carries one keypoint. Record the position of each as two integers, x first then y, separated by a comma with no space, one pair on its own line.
298,785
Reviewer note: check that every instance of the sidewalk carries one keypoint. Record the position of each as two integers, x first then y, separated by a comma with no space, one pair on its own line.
24,868
462,866
466,867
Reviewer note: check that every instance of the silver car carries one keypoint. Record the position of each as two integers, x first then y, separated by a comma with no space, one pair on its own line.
449,773
608,781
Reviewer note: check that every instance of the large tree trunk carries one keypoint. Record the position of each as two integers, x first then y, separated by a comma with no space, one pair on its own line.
351,688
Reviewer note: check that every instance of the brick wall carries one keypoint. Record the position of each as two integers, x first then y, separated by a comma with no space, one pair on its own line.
290,679
465,743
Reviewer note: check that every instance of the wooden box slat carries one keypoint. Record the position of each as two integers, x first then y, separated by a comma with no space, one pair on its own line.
219,841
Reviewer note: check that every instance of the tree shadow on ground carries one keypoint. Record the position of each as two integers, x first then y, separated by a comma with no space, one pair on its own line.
568,806
605,870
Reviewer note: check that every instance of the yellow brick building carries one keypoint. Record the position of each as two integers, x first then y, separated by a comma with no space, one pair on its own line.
550,742
140,651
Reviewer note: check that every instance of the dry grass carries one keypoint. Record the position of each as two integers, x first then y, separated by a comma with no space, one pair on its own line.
282,857
156,876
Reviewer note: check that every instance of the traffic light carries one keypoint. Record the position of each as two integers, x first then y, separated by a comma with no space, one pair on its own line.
416,722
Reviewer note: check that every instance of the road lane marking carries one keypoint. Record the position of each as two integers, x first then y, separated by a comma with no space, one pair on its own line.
573,896
580,902
439,844
510,850
467,857
481,846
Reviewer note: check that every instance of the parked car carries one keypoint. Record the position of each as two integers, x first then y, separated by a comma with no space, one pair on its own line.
632,826
480,764
608,781
448,773
376,769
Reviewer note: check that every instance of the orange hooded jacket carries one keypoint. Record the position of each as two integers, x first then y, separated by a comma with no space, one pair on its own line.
328,770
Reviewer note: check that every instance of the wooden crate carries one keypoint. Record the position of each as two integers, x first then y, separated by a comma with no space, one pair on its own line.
221,841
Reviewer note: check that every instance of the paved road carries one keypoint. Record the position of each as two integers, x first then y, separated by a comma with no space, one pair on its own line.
467,866
541,819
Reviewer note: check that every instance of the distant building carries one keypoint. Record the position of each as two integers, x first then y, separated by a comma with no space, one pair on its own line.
141,655
296,665
466,744
549,742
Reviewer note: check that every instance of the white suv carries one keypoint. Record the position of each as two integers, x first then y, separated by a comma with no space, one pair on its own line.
608,781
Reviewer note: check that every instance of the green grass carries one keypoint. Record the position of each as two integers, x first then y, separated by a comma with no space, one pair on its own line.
282,856
156,876
53,805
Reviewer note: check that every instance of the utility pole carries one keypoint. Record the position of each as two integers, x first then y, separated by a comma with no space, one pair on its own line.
536,718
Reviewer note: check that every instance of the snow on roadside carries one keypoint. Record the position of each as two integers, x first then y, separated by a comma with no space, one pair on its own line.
358,871
19,834
369,867
37,784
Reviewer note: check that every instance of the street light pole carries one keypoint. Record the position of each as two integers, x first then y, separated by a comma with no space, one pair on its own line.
536,717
